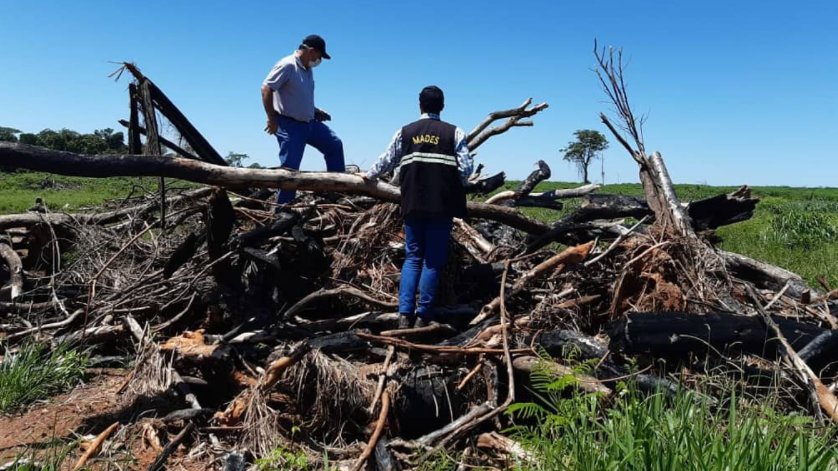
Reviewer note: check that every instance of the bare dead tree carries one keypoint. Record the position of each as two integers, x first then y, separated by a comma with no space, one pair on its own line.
657,184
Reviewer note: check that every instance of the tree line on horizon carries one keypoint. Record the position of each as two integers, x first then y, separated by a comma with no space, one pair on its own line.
100,141
582,152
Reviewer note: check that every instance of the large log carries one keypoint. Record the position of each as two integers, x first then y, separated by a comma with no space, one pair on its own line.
721,210
764,275
677,335
67,163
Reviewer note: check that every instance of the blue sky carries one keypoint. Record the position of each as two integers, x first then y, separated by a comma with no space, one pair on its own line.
735,92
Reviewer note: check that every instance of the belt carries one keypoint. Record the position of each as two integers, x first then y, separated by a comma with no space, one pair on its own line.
291,118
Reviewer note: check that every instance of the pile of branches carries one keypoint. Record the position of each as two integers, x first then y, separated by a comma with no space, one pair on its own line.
277,329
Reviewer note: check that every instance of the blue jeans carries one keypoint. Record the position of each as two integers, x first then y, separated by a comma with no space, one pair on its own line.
293,135
426,251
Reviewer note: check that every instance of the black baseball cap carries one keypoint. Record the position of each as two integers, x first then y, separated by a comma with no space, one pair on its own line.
316,42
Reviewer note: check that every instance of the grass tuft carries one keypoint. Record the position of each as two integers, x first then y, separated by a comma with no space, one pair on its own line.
35,372
685,432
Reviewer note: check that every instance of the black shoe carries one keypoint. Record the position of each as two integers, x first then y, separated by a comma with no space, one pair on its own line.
423,322
406,321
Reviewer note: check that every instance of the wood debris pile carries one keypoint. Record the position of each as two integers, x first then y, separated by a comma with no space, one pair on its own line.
274,329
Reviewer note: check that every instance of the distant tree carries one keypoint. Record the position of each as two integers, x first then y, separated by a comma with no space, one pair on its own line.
115,141
9,134
255,165
101,141
235,160
29,138
587,146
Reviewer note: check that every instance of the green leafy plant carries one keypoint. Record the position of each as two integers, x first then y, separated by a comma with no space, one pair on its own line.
282,458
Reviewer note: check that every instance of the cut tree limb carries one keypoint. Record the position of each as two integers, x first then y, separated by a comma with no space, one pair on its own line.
548,195
589,384
15,267
67,163
570,256
162,103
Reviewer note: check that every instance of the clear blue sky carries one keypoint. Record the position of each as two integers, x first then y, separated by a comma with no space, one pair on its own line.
735,92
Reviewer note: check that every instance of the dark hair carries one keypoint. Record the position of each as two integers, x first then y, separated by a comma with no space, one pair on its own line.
431,99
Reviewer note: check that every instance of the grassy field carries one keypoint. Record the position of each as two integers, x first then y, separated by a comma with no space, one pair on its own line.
795,228
19,190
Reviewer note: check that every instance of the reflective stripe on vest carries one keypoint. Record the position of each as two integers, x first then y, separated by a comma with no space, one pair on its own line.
429,158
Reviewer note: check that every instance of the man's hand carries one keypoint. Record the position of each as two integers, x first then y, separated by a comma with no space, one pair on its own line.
321,115
368,178
272,127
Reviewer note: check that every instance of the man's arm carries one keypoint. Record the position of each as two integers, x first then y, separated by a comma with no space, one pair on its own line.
268,103
389,159
273,82
465,162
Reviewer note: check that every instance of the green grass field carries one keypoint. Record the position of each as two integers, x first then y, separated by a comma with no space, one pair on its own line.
19,190
795,228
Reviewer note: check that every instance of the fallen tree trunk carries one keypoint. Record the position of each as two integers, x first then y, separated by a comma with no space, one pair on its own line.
764,275
68,163
677,335
549,195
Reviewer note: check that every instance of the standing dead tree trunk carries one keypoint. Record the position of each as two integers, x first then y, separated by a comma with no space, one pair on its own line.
657,185
160,102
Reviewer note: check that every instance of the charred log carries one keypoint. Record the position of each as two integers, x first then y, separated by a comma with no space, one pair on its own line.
678,335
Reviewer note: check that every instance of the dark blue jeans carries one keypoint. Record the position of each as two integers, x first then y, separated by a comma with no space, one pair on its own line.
293,136
426,251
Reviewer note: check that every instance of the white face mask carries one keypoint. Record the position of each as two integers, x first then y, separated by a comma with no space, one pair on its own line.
314,63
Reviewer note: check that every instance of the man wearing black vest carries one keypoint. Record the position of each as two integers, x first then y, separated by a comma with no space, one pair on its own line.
433,165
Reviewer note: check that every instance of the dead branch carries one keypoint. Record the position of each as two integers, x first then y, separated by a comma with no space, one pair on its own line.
569,256
379,427
321,294
160,461
478,136
94,446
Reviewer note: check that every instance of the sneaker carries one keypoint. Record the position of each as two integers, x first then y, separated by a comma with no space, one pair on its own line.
406,321
423,322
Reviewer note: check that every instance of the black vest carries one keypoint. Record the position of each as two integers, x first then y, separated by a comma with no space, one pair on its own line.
428,174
